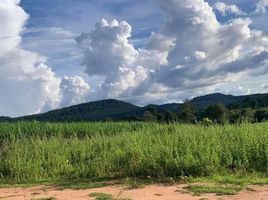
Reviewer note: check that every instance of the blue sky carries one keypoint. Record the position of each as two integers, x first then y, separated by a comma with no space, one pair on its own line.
156,51
78,16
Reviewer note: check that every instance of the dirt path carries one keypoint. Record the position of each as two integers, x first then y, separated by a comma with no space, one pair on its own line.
154,192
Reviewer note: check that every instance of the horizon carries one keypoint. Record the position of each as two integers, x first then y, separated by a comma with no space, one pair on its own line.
57,53
141,106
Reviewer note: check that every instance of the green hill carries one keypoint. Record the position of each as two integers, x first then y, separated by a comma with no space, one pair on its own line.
92,111
207,100
119,110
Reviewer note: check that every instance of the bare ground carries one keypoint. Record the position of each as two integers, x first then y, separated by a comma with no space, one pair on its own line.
153,192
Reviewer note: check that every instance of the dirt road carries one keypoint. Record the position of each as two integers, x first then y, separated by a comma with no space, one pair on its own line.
153,192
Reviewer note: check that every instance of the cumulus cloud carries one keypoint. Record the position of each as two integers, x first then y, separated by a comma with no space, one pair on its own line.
205,51
12,21
262,6
109,54
226,9
74,90
190,54
264,85
27,84
191,50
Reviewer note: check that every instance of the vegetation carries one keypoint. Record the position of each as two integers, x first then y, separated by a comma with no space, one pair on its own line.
217,108
217,113
104,196
234,179
198,189
33,152
187,113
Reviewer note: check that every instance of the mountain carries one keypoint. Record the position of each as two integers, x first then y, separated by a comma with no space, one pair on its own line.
3,119
92,111
207,100
119,110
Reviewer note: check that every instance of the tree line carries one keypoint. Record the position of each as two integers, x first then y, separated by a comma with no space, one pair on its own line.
247,111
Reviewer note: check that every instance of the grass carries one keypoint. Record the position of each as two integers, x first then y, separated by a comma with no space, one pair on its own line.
213,188
228,184
79,184
33,152
104,196
235,179
63,184
134,183
101,196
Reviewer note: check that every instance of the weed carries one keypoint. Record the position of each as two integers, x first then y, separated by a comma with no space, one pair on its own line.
104,196
217,189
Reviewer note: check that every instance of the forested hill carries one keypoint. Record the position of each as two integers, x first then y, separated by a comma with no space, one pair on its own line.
93,111
119,110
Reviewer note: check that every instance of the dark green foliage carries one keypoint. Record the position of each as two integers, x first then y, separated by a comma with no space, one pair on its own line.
261,115
5,119
218,113
170,117
207,100
247,115
152,114
93,111
187,112
250,101
149,117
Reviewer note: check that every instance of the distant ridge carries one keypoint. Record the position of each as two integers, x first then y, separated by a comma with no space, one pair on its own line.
119,110
92,111
205,101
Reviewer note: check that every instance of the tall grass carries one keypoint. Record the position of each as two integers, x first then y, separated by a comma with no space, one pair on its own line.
33,152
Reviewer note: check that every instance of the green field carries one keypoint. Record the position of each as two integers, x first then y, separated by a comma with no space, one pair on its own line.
32,152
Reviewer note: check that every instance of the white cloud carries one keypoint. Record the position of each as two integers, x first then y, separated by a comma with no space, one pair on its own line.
227,49
200,55
264,85
192,50
192,53
226,9
74,90
27,84
109,54
262,6
12,21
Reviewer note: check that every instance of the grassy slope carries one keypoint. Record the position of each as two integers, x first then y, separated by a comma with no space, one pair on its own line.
36,152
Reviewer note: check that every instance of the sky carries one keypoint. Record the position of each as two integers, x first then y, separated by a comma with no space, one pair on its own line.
57,53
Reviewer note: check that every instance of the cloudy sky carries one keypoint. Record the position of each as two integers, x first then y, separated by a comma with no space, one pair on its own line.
56,53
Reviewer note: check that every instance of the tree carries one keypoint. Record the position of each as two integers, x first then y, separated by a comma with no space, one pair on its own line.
170,117
151,114
261,115
187,113
235,116
250,102
247,115
149,117
242,115
152,109
206,122
218,113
